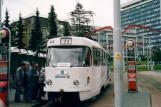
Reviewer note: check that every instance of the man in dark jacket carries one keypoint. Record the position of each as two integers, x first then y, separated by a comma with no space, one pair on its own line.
25,85
32,81
19,79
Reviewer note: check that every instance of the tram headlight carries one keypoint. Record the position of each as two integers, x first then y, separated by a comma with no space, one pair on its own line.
75,82
48,82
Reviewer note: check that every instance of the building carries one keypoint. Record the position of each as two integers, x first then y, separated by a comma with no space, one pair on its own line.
105,38
144,13
28,25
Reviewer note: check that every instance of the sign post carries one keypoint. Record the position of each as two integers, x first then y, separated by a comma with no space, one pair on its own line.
132,75
5,60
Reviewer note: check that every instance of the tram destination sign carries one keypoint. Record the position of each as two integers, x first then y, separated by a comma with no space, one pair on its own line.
66,41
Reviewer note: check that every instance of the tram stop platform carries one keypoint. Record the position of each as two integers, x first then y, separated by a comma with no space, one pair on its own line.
138,99
11,95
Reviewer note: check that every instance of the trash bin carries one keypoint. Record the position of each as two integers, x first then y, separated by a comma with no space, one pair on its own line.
3,94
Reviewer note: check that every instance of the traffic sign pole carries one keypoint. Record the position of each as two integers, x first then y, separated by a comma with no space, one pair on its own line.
117,38
0,20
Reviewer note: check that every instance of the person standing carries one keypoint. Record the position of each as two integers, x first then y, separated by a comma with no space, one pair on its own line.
32,81
25,85
35,96
19,79
41,83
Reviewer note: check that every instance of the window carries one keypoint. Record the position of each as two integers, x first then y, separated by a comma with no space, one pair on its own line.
96,57
75,56
102,57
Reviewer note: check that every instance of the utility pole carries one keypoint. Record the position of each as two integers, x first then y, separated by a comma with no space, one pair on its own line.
117,38
0,19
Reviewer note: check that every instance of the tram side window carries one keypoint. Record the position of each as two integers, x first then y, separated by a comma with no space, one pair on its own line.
105,59
102,63
96,57
87,60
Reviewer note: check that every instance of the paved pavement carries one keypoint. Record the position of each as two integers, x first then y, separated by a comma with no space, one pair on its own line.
139,99
152,83
13,104
136,99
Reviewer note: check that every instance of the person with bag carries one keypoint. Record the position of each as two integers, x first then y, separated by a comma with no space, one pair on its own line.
19,80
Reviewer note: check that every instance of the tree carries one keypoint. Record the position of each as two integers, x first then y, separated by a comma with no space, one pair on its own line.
81,20
110,59
13,38
66,30
156,56
20,34
52,23
6,24
6,21
143,58
36,33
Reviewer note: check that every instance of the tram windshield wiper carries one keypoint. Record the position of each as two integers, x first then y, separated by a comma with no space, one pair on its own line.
72,64
53,65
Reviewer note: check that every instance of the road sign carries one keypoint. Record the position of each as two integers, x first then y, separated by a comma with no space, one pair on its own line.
3,70
130,43
118,56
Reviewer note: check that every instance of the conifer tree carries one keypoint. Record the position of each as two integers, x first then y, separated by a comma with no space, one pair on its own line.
36,34
20,34
52,23
6,24
66,30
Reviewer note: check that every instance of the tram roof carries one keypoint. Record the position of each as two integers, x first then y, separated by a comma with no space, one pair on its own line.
83,41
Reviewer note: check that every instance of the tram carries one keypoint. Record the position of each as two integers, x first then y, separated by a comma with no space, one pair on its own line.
76,68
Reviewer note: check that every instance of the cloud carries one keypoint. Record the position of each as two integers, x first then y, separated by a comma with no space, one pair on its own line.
102,8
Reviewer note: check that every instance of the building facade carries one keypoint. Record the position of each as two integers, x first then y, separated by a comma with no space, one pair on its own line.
144,13
28,23
105,38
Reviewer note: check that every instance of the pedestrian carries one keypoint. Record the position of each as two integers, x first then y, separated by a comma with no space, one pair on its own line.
35,96
19,79
32,81
41,83
25,85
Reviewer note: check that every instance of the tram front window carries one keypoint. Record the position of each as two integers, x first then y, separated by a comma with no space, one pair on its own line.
73,56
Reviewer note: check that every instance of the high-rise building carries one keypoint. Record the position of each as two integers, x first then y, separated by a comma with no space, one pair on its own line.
144,13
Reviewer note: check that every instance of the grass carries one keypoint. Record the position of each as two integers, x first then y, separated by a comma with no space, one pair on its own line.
157,67
143,68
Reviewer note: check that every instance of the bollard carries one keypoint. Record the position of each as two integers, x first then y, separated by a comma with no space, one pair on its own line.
3,93
132,77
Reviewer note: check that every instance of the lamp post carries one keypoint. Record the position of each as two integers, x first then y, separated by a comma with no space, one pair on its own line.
117,38
148,56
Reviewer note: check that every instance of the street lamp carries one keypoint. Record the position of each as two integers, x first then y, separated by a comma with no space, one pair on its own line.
149,57
117,39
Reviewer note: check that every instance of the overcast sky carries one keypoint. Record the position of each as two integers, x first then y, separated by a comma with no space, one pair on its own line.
103,9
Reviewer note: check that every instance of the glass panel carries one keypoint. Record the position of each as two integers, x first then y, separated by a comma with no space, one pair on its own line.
74,56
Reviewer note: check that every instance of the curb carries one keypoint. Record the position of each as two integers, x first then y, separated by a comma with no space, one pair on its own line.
40,103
